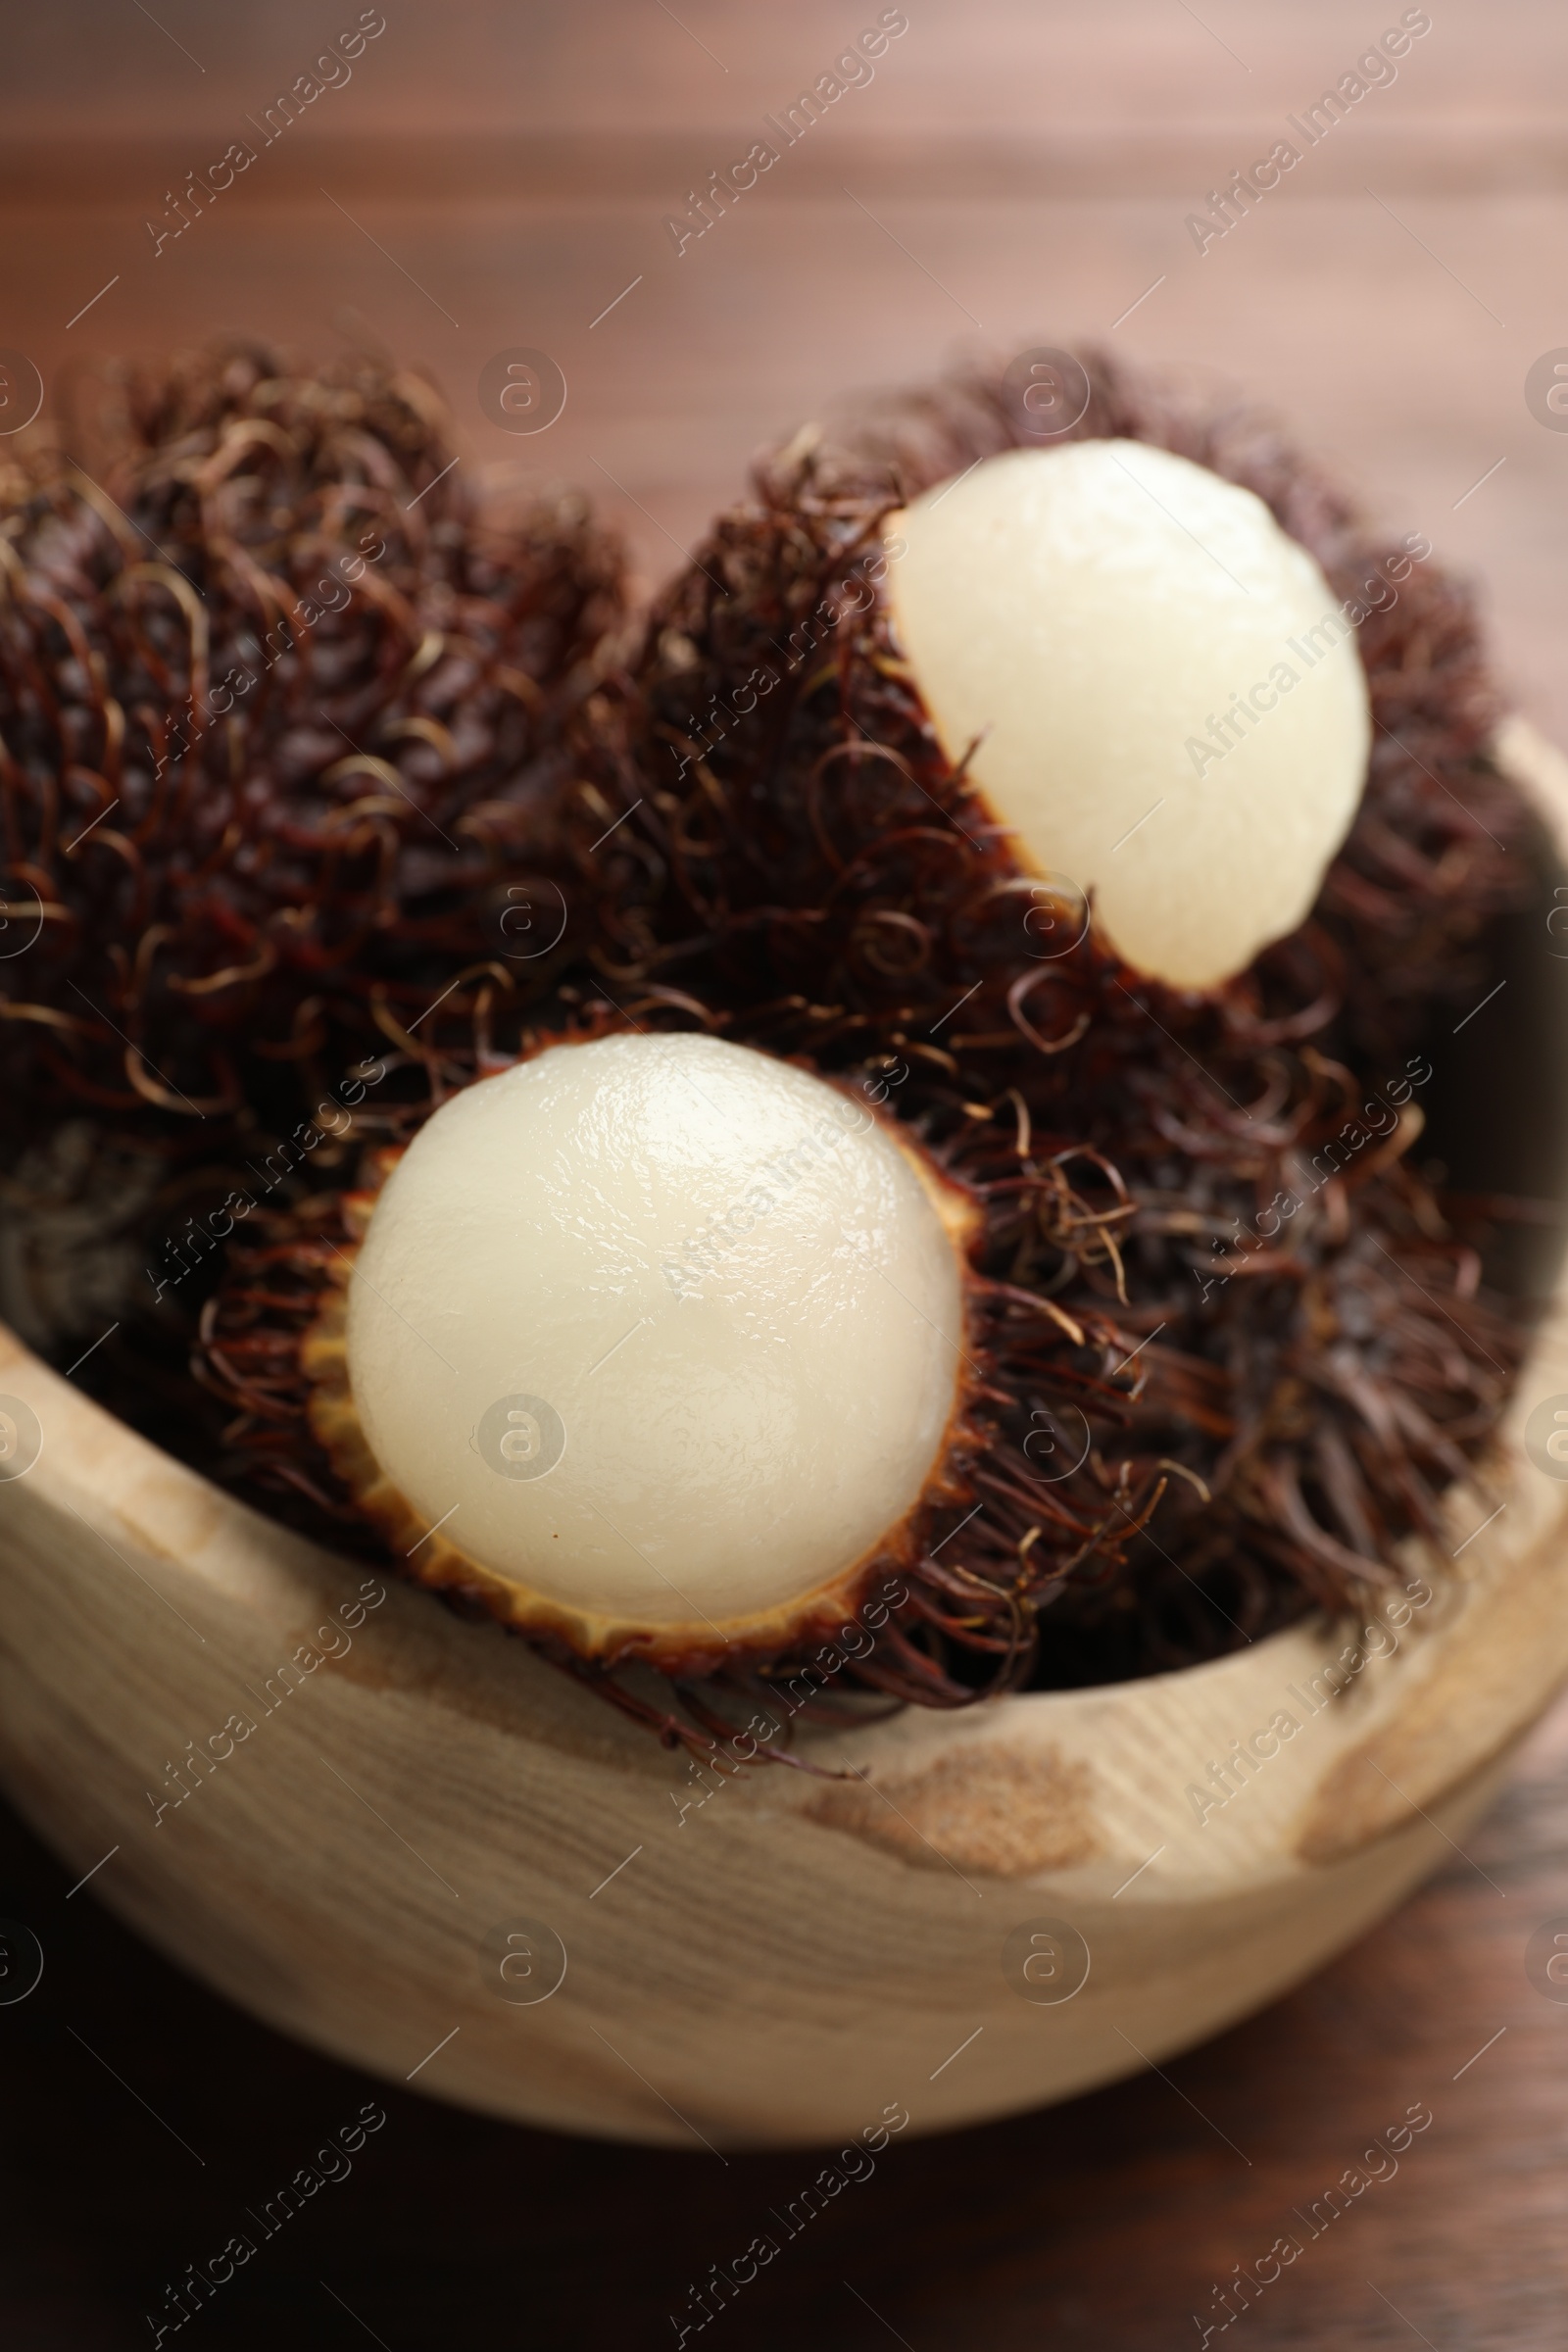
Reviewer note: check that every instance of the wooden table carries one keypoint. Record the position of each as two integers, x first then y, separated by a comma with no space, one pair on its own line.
1017,171
145,2116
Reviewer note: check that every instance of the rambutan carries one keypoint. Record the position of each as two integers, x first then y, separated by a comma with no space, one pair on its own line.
278,710
1219,1351
1122,1483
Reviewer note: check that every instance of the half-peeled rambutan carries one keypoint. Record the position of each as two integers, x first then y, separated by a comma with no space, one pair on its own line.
795,806
798,820
1081,1501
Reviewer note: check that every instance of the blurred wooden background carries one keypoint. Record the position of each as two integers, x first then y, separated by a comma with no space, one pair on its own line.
495,176
1017,171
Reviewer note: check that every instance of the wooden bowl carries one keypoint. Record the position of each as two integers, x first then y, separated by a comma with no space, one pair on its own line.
432,1854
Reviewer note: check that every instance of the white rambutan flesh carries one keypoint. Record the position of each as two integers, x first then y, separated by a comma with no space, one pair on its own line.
1166,696
659,1329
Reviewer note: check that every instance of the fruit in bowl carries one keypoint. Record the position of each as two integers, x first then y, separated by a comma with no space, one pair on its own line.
938,1304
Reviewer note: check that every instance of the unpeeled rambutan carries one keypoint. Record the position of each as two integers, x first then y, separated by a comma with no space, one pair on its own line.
278,708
